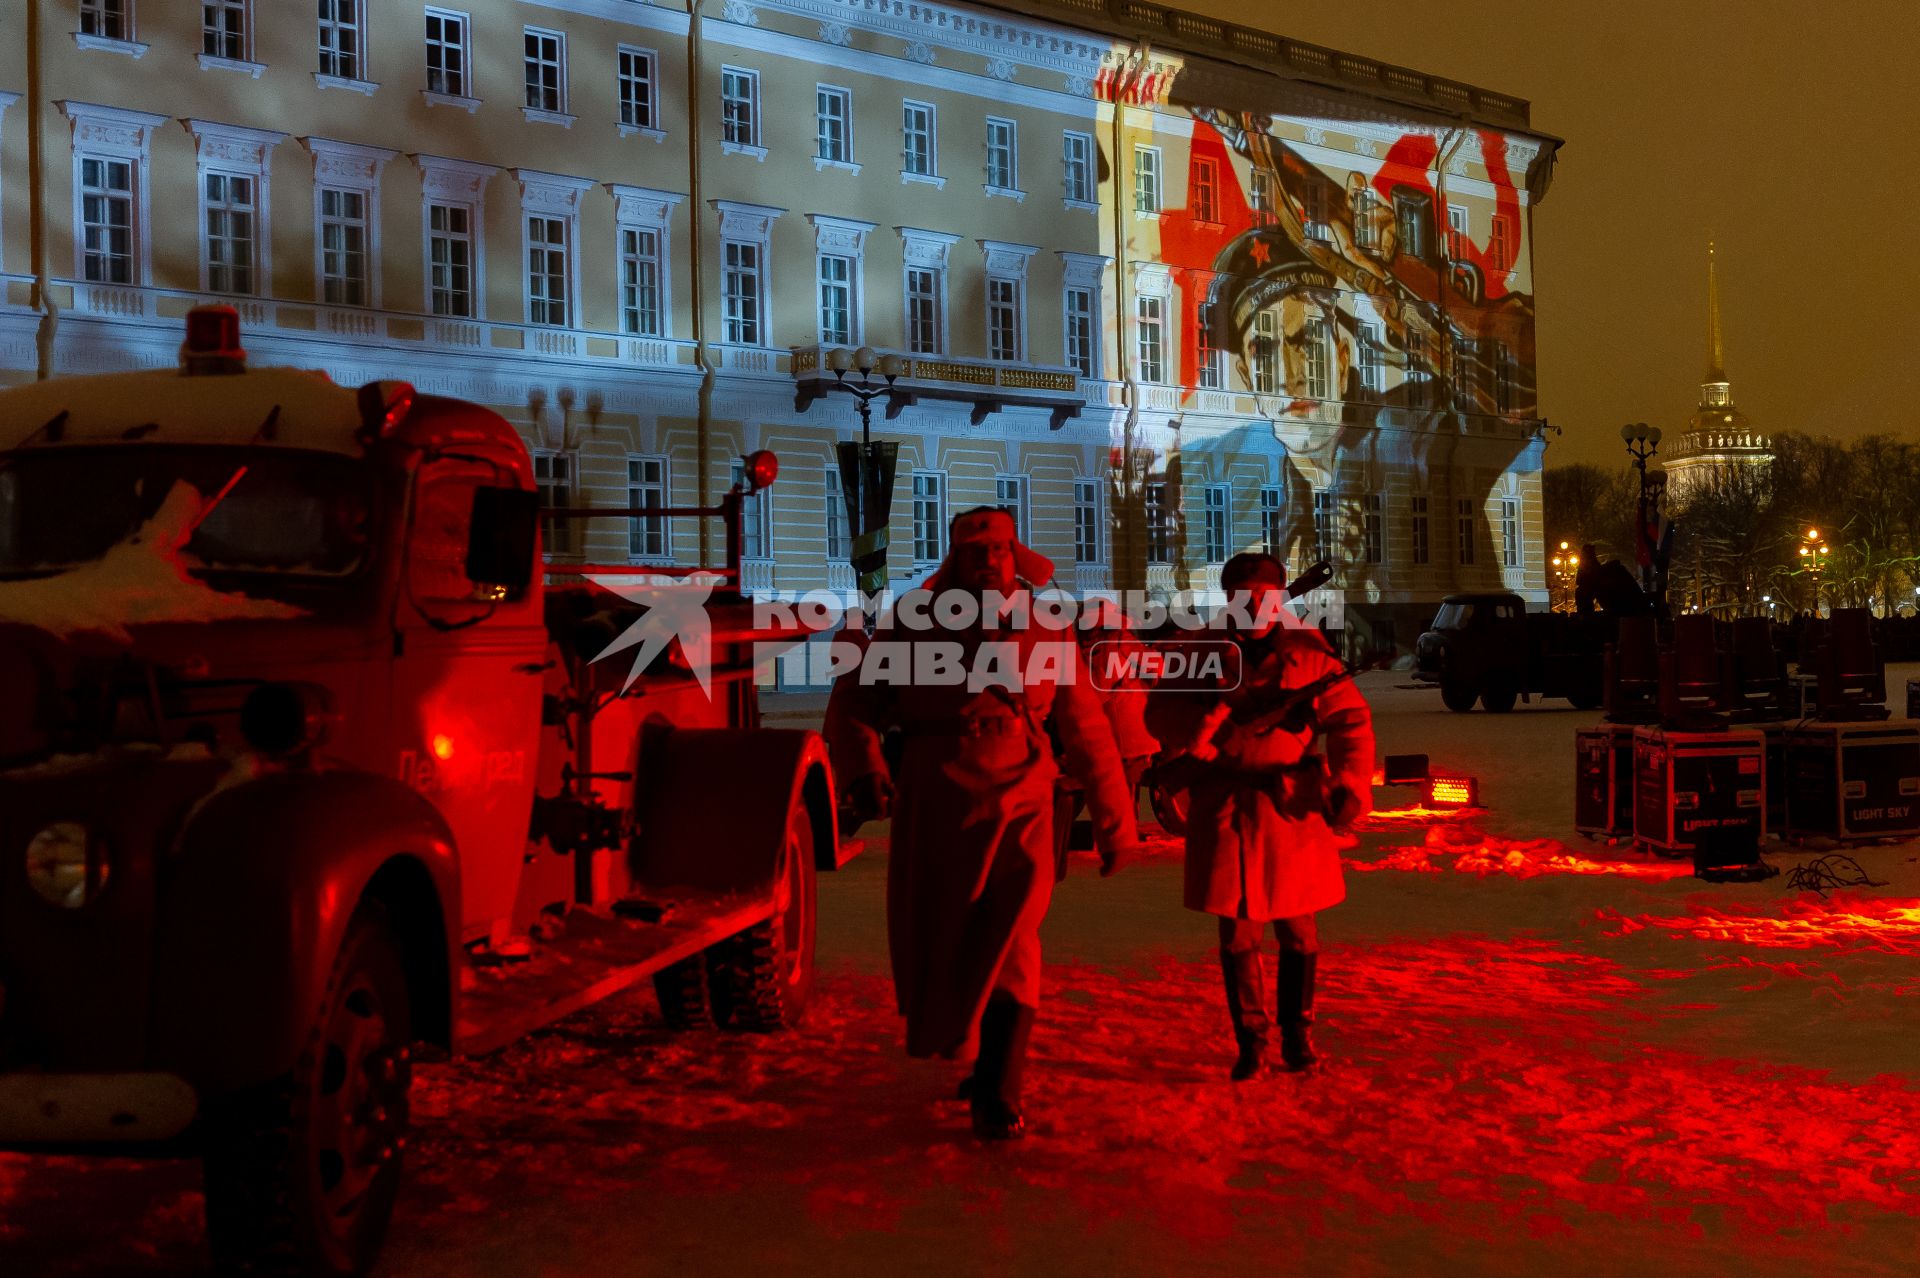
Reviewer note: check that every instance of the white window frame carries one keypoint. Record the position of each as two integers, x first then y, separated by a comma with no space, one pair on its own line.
1216,522
1421,527
1373,528
349,65
462,185
746,226
643,259
825,121
834,275
743,296
113,134
838,527
636,84
1316,364
1014,494
1079,331
1468,530
1006,293
352,168
1260,193
449,87
1150,338
1158,521
240,204
927,509
1410,218
1149,180
1326,523
109,195
1459,231
555,197
229,53
1077,159
560,490
842,237
543,53
1087,522
1370,358
1512,552
1212,371
234,151
1313,212
756,517
1366,234
104,16
1196,166
1082,273
649,541
1003,158
910,132
735,140
639,210
927,251
1273,527
1266,359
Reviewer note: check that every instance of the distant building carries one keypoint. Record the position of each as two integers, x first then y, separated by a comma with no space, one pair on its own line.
1235,292
1718,442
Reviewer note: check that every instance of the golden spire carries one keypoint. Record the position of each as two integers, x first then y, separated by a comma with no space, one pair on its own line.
1716,357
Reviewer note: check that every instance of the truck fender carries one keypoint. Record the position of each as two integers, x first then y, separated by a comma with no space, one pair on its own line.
713,802
255,900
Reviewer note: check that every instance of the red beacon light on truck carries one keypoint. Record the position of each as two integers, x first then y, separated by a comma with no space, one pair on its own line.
212,346
762,468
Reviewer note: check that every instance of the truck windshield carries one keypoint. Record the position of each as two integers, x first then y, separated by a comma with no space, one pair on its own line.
289,513
1453,616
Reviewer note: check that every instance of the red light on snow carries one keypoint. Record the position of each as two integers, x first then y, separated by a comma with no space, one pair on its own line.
762,469
1453,792
442,746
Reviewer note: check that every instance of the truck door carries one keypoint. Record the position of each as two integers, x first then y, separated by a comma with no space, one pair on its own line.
465,711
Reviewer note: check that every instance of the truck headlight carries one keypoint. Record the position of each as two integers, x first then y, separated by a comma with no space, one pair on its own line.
65,866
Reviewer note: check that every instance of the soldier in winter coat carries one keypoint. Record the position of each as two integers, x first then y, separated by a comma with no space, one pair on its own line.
971,868
1264,810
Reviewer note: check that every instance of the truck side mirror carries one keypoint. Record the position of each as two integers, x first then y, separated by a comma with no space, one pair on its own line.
500,539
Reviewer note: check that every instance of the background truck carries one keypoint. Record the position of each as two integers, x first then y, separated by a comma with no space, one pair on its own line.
305,769
1489,648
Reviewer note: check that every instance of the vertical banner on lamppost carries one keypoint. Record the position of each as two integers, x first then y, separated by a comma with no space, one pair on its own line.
866,485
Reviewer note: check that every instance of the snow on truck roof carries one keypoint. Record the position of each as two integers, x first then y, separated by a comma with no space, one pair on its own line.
102,408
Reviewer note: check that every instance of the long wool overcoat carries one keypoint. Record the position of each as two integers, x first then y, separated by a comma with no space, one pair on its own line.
970,869
1260,847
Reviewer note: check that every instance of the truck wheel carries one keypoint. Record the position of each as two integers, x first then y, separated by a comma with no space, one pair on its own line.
1498,696
301,1173
1587,696
764,976
1458,697
686,994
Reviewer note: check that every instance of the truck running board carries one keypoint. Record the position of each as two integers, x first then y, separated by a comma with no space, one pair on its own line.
598,956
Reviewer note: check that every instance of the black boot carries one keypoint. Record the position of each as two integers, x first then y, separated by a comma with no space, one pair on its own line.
1293,1001
1005,1027
1247,1005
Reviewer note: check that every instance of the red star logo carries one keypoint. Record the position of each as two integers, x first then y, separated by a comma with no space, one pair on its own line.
1260,252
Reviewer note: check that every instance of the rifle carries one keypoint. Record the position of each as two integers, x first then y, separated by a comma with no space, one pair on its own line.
1283,707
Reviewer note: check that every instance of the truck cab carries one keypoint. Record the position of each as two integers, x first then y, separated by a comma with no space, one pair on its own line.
313,768
1487,648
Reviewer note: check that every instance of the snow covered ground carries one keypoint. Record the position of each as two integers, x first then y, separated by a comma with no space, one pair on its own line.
1547,1055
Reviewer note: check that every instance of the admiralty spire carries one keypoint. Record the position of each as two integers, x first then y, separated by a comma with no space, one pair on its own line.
1718,442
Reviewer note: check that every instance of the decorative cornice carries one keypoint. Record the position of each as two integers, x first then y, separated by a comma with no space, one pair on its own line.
555,193
452,179
1007,259
740,221
1082,270
350,163
925,248
233,143
839,234
643,206
994,37
108,128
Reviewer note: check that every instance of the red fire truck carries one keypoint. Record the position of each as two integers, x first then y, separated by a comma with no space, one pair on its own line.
306,768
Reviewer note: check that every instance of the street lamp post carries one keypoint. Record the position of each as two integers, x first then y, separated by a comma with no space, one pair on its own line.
866,468
1813,559
1566,566
1642,442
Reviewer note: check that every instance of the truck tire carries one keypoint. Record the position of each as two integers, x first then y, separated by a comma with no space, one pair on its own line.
301,1173
763,977
1458,697
1587,696
685,991
1498,696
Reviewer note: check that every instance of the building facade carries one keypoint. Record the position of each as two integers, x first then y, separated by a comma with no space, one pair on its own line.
1233,292
1719,444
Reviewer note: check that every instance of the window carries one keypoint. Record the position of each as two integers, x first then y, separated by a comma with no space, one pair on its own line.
1213,364
1366,230
923,310
836,299
1260,195
1372,527
1010,495
553,483
1203,190
1313,207
1086,521
1003,157
450,260
1422,534
1464,510
918,153
1505,376
1266,353
839,527
448,55
739,107
343,247
756,515
1150,327
1325,513
1319,359
1373,375
1419,376
640,282
1077,162
833,125
1216,522
1410,224
1146,179
1004,336
1458,232
1499,250
1159,520
1272,530
106,220
547,271
740,293
639,72
647,487
1510,532
343,39
929,516
107,19
546,69
224,29
1079,331
230,217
